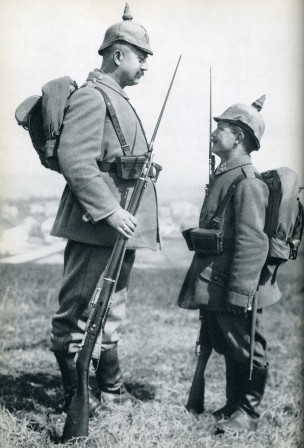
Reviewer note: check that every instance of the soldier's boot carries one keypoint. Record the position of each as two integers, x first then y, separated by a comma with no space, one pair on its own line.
69,381
246,418
233,383
109,379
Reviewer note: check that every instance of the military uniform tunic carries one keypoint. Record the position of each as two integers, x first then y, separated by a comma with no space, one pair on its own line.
88,138
234,275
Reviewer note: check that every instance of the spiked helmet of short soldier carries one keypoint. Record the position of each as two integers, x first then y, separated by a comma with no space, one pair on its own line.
246,117
127,31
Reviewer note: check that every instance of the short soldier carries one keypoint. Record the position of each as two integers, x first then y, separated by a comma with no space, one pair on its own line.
223,282
92,210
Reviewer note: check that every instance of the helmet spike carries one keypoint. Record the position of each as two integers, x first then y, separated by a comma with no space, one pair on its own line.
127,13
258,104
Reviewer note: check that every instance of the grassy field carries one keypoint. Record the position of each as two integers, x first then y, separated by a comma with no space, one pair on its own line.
157,353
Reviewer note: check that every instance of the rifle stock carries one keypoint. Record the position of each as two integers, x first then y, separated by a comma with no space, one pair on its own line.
203,350
196,399
77,420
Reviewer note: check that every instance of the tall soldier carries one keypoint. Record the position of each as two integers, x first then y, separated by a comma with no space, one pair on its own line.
93,206
223,280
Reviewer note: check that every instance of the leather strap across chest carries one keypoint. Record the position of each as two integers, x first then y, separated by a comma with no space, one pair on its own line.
216,220
113,117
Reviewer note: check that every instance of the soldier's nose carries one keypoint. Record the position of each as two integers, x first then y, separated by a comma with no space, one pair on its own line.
144,66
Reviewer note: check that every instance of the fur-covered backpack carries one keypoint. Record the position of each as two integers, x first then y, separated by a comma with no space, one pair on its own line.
285,216
43,115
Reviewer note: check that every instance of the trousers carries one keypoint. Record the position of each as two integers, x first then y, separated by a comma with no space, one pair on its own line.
83,265
229,335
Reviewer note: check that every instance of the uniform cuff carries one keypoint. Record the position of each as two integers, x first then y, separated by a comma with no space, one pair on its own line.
98,201
235,298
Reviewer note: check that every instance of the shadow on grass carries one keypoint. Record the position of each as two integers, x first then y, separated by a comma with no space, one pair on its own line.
38,396
28,390
144,392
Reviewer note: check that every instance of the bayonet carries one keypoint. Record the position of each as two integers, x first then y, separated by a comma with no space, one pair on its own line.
211,156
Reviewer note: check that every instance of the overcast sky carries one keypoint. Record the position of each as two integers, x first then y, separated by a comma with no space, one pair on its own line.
254,48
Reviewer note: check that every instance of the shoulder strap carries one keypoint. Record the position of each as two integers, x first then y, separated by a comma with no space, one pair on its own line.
248,171
215,221
124,146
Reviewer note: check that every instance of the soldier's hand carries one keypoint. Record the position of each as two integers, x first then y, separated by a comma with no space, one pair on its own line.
236,309
122,221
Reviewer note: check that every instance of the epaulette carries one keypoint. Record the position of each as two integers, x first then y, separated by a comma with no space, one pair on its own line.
248,171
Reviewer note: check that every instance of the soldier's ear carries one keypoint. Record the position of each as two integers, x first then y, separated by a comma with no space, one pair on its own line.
239,138
117,57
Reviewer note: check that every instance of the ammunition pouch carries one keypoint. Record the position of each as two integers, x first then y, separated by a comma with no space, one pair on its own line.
207,241
211,241
129,167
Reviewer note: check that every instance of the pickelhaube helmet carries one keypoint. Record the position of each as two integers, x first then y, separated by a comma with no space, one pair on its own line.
246,117
127,31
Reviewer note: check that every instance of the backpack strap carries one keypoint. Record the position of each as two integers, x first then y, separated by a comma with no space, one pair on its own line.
112,114
215,221
247,173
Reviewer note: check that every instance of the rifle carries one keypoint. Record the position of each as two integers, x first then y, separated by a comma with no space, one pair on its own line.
211,156
196,399
203,350
77,420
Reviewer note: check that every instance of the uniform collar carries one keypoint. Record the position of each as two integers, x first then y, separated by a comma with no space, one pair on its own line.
233,163
103,78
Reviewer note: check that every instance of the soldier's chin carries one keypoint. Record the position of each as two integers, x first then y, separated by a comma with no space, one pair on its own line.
137,79
132,82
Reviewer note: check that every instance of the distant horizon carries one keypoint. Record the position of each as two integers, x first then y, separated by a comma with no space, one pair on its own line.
50,185
47,184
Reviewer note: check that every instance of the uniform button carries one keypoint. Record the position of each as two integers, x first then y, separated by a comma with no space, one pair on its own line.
215,277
